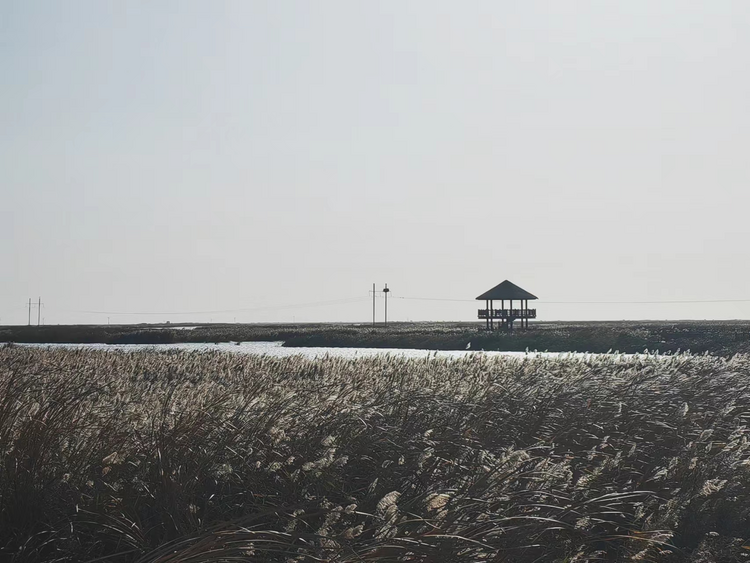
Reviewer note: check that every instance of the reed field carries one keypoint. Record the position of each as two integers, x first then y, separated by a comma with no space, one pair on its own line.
173,456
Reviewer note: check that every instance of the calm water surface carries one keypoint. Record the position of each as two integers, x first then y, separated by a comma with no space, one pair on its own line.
277,349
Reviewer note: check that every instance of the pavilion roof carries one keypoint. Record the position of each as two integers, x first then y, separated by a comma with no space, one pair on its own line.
506,290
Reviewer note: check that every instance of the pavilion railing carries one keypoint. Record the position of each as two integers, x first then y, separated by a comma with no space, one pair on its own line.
507,313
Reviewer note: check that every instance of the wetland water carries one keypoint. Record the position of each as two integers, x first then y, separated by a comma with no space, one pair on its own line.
277,349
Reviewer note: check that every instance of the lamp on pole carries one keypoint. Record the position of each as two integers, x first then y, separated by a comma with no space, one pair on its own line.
385,291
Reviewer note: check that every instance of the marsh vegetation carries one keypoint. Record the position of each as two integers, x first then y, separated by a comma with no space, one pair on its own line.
175,456
716,337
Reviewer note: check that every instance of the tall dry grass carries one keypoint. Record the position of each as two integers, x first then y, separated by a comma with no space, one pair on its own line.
157,457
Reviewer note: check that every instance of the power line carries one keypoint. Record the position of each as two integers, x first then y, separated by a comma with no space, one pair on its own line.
353,300
683,301
344,301
647,302
432,299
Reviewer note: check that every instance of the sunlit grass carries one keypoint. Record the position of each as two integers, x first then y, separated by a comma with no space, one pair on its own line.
190,456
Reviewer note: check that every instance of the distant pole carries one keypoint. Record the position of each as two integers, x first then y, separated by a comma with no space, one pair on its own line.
29,311
39,313
386,290
373,304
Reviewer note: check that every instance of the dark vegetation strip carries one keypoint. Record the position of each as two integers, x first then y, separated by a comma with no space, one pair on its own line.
157,457
720,338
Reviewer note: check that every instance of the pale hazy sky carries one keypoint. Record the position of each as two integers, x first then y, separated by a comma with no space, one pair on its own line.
180,156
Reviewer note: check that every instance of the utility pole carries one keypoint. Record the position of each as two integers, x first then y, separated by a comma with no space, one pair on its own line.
385,291
373,304
29,311
39,313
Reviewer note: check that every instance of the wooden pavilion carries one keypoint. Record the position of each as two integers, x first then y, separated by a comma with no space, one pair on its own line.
503,292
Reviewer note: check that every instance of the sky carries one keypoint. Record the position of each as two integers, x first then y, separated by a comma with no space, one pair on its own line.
265,161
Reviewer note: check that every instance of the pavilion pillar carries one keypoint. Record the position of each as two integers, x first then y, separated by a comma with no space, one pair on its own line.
492,321
487,308
510,317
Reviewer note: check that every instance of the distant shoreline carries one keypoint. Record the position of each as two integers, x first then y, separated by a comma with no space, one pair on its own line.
723,338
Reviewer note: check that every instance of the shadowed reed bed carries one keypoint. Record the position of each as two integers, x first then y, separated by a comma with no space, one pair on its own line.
721,338
159,457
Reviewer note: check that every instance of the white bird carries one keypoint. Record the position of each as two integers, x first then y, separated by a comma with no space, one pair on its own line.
468,345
